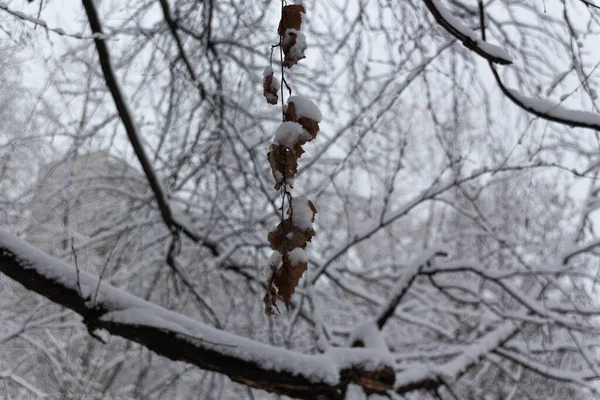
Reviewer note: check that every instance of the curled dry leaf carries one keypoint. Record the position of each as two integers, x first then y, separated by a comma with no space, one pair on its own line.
284,164
311,126
293,46
270,86
293,42
270,298
288,240
287,278
287,237
291,18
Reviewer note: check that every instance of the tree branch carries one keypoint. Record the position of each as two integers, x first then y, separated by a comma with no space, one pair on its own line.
132,132
180,338
469,39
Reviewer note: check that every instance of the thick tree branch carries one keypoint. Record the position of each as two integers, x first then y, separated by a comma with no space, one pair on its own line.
132,132
431,377
541,108
180,338
402,286
469,39
547,110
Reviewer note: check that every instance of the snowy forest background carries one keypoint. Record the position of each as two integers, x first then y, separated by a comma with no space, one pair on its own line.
467,220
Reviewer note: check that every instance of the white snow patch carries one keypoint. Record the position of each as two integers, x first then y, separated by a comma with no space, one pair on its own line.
556,111
297,50
305,108
297,256
302,213
267,71
288,134
276,260
369,335
369,359
488,48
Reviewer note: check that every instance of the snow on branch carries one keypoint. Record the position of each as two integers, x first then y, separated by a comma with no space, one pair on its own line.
181,338
553,112
434,376
43,24
494,54
404,283
466,35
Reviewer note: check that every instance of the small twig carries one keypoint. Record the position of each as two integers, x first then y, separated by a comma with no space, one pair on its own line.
104,269
76,267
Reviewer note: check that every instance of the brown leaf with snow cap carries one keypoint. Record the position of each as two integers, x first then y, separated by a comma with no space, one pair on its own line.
293,45
286,236
270,86
287,277
284,164
291,18
306,113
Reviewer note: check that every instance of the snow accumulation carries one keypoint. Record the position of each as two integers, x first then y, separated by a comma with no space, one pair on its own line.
303,214
128,309
488,48
459,364
297,256
297,50
267,71
369,335
556,111
305,108
288,134
369,359
276,260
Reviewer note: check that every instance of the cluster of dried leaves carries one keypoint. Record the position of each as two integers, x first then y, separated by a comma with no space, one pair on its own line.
289,239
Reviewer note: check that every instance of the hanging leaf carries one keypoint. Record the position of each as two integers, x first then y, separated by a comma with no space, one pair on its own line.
284,164
291,18
270,86
286,236
288,276
293,46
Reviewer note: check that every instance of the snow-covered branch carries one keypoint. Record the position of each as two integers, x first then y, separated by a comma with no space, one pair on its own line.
548,110
180,338
44,24
434,376
466,35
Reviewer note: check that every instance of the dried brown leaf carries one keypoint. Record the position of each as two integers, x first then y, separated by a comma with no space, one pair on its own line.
284,164
293,46
291,18
287,278
270,298
286,237
311,126
270,90
290,113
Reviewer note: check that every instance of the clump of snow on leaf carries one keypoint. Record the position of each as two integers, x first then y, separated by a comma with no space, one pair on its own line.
270,86
288,134
276,260
297,256
305,108
369,335
267,71
297,50
303,215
